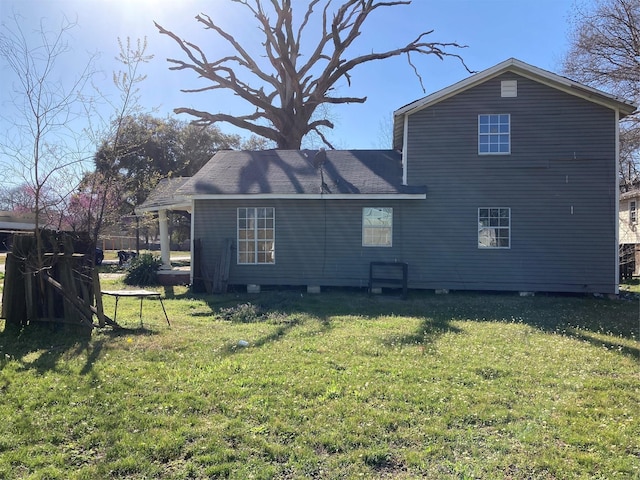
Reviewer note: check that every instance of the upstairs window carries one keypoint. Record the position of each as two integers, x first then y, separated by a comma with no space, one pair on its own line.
377,227
256,235
494,227
633,215
494,134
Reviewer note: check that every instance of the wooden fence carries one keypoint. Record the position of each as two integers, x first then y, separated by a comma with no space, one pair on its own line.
59,285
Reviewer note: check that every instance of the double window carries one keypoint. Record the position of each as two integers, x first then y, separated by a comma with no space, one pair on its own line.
494,227
256,235
494,134
633,214
377,226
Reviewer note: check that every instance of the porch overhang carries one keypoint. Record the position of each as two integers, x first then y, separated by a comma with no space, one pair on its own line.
153,208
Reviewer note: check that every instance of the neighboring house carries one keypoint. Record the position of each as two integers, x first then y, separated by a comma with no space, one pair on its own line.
629,236
506,180
11,222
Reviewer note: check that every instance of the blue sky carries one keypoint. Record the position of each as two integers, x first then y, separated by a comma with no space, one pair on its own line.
534,31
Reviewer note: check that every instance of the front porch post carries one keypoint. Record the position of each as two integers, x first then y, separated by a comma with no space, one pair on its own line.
165,248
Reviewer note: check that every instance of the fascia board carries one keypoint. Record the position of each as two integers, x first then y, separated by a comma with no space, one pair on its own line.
577,89
313,196
451,90
156,208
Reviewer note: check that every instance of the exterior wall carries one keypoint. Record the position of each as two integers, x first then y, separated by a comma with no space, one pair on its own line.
317,242
559,182
398,134
629,233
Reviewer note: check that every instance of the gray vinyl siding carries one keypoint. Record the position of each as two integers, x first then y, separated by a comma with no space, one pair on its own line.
318,242
562,156
559,182
398,132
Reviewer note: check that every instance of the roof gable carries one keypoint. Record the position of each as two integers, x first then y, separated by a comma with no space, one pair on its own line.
520,68
528,71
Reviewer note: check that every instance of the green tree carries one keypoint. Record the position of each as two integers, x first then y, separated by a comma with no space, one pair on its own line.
287,92
196,145
151,148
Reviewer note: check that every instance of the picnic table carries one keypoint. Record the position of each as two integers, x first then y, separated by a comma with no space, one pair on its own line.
141,294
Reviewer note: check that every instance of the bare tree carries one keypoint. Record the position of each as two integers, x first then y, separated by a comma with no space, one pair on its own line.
41,149
384,139
99,188
298,76
605,53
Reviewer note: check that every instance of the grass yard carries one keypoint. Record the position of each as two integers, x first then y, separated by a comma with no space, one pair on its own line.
337,385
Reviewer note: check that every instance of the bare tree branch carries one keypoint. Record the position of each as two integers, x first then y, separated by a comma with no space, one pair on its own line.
244,122
286,92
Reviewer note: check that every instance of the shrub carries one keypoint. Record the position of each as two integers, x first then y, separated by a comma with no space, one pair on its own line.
250,313
143,270
242,313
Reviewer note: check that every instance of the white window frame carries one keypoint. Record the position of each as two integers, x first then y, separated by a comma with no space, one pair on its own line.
256,235
633,212
494,130
374,235
491,222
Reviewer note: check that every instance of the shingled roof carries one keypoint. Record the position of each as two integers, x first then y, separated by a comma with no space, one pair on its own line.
336,174
165,195
301,172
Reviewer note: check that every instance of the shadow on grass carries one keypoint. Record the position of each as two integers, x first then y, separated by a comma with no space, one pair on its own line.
579,316
428,332
279,332
585,318
599,342
40,348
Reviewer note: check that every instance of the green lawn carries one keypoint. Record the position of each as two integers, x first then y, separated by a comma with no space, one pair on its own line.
337,385
632,286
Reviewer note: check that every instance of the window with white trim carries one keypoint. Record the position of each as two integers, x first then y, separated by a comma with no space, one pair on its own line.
494,134
377,226
256,235
494,227
633,215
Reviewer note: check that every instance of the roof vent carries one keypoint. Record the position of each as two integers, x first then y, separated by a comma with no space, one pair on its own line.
509,88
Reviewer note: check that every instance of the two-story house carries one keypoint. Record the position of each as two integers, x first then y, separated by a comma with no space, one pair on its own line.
506,180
